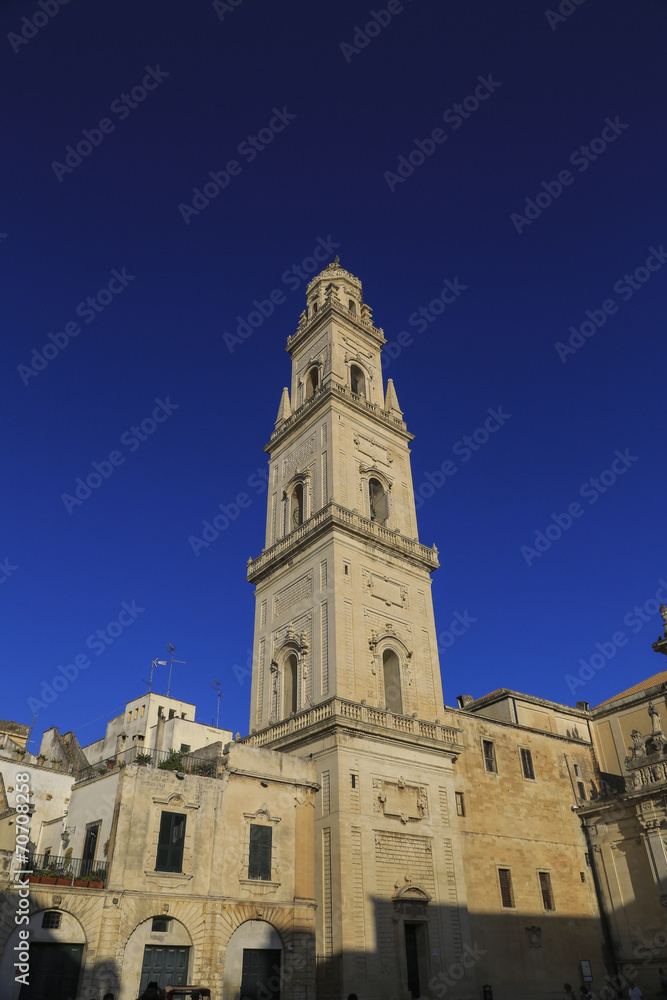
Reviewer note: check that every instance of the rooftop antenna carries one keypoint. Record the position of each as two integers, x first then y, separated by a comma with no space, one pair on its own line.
154,664
171,650
216,686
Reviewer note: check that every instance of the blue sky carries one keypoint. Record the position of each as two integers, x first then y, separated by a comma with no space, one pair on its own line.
496,180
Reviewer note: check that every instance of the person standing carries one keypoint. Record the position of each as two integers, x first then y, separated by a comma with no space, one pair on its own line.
634,992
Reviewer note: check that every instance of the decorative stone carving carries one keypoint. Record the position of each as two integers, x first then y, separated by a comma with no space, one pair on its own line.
400,799
660,645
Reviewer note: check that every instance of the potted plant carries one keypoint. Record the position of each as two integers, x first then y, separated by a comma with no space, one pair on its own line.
174,762
97,878
56,763
41,757
142,759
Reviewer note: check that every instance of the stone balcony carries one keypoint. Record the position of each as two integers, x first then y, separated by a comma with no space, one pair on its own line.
369,719
333,515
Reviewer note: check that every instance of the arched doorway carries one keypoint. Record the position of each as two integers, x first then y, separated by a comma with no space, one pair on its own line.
158,950
253,962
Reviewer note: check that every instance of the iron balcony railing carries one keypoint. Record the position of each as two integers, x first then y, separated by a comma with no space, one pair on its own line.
163,760
67,870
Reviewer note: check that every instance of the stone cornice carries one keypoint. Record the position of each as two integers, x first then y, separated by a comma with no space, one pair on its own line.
326,394
333,515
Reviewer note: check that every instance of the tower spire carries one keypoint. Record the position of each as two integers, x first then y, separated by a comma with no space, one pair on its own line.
284,410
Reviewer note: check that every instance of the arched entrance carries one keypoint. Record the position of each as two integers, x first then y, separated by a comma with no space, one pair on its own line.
158,950
56,952
253,962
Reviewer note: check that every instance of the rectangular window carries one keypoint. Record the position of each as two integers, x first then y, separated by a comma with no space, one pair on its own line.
460,804
143,709
582,876
353,778
170,843
259,858
160,925
527,764
587,859
185,748
172,713
51,920
545,888
489,756
505,877
577,771
47,855
581,790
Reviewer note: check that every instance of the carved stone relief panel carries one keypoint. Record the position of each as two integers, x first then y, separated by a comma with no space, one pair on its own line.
298,455
383,588
400,799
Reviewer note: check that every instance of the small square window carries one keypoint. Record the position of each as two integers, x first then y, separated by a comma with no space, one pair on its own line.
489,756
527,764
160,925
460,804
577,771
51,920
185,748
506,894
172,713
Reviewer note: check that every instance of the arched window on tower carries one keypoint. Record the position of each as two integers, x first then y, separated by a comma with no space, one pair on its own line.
290,685
312,380
296,507
352,307
392,682
313,308
357,381
378,502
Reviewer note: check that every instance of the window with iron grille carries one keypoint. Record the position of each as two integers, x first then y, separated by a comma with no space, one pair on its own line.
51,920
170,843
506,893
527,764
160,925
259,858
545,888
489,756
460,804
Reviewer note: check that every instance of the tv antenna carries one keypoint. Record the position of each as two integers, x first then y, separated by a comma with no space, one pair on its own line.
171,650
216,686
154,664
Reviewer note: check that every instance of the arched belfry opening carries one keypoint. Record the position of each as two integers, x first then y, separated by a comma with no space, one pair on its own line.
290,685
391,672
352,306
378,502
296,507
312,382
357,381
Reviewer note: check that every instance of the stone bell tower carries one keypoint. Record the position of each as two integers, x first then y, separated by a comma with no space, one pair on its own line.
345,661
343,586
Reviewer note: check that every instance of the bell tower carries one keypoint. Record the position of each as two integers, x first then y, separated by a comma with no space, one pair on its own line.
345,667
343,586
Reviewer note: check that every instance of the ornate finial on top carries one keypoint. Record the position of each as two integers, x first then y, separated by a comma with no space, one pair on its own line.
660,646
